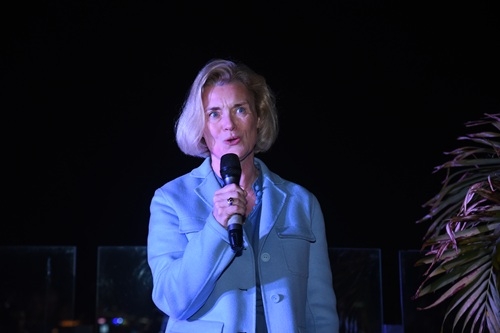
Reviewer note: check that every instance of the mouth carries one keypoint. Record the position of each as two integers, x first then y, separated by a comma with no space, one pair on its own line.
232,141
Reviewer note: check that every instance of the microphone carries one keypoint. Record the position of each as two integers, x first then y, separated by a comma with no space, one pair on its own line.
230,171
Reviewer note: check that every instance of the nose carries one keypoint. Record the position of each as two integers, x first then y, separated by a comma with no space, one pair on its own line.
227,122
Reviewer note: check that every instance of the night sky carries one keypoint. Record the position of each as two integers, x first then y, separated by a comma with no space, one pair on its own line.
370,96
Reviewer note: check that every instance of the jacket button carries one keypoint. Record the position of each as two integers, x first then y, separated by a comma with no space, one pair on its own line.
265,257
276,298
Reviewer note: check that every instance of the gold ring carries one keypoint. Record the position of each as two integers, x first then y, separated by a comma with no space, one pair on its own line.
230,201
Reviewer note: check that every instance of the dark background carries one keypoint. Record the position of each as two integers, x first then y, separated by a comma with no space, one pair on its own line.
370,95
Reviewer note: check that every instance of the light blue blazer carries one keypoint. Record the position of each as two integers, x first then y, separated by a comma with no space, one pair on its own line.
203,287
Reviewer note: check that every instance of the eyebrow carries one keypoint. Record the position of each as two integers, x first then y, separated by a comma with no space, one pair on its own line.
212,109
235,105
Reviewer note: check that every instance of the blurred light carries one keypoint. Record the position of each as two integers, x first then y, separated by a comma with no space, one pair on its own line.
104,328
69,323
117,321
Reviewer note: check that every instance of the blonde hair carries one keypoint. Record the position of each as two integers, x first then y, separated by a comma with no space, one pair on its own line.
191,122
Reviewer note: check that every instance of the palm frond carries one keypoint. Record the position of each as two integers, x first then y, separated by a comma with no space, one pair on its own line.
462,244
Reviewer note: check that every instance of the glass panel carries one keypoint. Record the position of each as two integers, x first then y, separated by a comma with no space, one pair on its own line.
414,320
124,286
37,287
357,281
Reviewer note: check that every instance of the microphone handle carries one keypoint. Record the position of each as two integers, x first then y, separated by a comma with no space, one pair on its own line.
235,232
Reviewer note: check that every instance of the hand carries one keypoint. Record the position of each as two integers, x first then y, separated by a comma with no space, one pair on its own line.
229,200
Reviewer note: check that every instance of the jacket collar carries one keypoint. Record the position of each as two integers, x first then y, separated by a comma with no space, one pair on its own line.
273,198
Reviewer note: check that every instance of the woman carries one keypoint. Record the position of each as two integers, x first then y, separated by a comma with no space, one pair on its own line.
281,281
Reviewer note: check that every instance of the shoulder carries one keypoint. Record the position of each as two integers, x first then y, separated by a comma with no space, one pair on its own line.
288,186
191,178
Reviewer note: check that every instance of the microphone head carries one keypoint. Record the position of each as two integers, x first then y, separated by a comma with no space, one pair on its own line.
230,168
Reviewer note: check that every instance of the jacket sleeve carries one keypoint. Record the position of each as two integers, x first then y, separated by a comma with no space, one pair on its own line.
187,251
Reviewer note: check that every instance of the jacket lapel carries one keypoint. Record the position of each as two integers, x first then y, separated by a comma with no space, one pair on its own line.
273,200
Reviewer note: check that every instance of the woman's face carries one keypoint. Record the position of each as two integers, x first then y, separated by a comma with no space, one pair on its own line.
231,120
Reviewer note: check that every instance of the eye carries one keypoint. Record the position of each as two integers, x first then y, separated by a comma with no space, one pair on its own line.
241,109
213,114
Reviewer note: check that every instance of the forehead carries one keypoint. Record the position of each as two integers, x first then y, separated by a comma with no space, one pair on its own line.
228,92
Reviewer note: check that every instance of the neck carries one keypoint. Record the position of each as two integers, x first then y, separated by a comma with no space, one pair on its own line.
249,174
